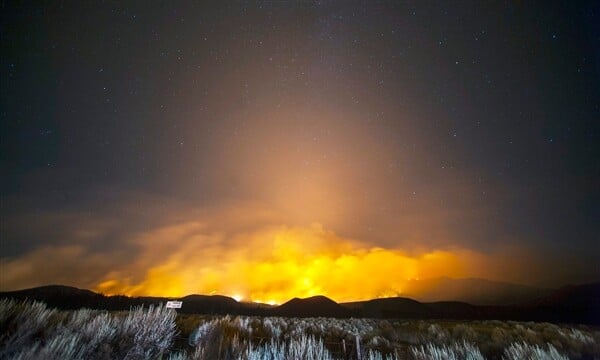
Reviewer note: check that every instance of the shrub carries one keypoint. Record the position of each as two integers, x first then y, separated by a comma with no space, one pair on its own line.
22,323
521,351
32,331
57,348
302,348
456,351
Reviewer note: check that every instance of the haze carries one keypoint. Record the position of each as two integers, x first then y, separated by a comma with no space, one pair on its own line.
272,150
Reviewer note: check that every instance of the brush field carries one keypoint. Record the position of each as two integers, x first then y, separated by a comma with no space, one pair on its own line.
31,330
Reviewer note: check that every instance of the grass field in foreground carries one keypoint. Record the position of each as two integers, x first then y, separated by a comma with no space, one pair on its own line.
30,330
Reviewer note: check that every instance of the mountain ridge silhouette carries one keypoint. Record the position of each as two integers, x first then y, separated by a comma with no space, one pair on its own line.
574,303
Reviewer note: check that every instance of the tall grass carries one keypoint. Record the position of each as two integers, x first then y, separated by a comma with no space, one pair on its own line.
32,331
456,351
392,339
519,351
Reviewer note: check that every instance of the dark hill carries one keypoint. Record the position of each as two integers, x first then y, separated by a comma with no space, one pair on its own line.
571,295
54,292
210,304
580,303
312,307
472,291
68,298
59,296
461,310
396,307
574,304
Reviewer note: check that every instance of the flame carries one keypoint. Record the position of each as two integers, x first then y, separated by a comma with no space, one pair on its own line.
274,265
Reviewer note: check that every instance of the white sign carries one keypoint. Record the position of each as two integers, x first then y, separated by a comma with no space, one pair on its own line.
174,304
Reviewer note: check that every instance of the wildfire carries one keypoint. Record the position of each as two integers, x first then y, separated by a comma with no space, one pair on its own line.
274,265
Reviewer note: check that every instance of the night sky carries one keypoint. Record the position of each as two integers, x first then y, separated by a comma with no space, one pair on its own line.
266,150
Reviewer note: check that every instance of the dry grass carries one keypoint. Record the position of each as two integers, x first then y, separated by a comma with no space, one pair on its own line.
411,339
30,330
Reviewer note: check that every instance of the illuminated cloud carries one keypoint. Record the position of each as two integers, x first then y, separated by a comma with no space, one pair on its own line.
196,152
244,250
274,264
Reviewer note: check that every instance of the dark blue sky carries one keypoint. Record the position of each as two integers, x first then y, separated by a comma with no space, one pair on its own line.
421,125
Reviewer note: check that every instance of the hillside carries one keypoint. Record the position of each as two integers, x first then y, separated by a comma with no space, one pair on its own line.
472,290
575,304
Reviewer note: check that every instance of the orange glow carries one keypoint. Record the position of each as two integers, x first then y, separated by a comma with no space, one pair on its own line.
275,265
